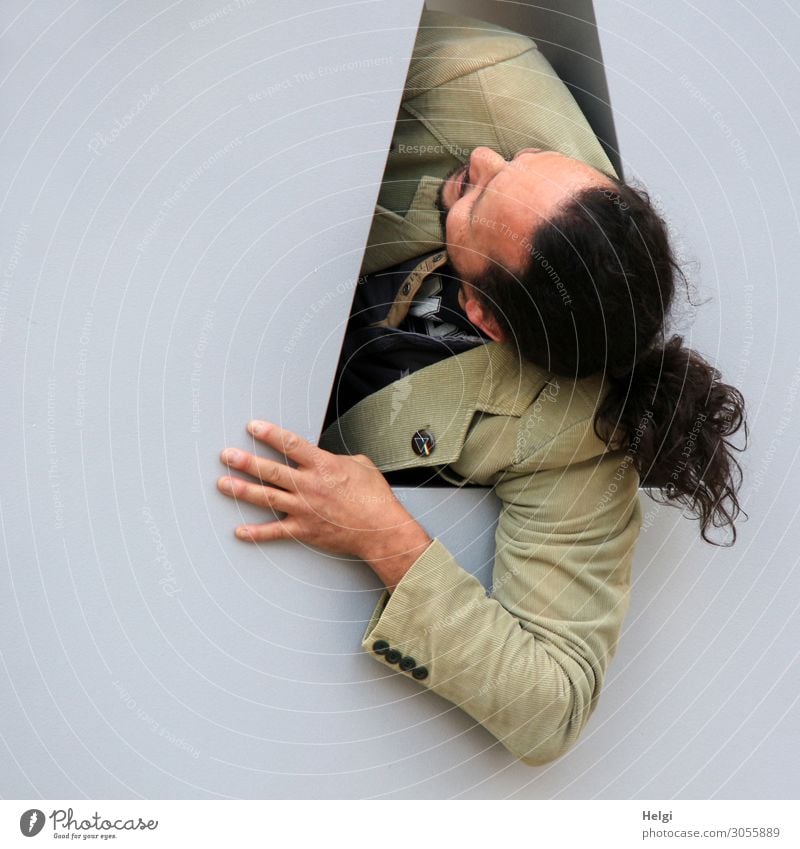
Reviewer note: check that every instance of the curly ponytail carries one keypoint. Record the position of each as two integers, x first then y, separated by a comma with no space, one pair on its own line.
675,414
595,297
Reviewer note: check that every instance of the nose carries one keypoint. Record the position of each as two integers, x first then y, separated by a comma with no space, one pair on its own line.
484,163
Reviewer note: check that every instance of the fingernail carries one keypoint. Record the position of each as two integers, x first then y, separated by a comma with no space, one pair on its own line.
256,427
231,455
227,484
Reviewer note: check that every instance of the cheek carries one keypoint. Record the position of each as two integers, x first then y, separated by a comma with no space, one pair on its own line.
457,220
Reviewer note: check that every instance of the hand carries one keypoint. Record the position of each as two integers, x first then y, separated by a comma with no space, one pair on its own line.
339,503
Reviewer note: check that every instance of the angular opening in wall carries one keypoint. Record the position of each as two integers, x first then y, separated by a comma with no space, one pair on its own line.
406,311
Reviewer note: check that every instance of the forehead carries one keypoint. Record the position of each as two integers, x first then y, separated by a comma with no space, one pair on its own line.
533,186
545,169
525,193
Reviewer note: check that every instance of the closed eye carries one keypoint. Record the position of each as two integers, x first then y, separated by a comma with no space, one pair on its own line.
464,184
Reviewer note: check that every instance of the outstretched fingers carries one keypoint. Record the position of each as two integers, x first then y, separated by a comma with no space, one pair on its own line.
258,494
279,529
293,446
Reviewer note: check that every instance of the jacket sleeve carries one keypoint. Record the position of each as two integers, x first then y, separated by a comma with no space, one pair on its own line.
526,660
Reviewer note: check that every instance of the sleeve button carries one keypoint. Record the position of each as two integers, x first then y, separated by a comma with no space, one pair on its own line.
380,647
393,655
419,672
407,663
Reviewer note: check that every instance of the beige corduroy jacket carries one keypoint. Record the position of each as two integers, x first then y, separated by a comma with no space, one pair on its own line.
527,660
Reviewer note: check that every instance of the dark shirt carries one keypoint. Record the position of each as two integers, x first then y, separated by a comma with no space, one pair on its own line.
374,356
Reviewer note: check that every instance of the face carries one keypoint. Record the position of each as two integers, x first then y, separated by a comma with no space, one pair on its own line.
491,206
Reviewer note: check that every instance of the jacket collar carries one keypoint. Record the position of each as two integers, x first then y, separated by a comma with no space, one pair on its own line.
441,399
395,238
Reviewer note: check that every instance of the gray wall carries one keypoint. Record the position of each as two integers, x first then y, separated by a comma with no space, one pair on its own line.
185,200
704,701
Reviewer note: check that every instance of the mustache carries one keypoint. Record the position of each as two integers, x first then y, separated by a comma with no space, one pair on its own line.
440,196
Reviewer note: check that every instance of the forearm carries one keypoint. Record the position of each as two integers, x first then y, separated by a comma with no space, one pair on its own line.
390,554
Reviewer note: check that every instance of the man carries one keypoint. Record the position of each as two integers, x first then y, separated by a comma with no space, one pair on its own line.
475,93
488,143
489,207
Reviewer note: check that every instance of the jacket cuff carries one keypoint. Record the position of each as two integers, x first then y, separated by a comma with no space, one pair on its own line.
399,633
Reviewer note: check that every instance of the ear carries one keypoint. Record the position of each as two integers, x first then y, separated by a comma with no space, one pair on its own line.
483,319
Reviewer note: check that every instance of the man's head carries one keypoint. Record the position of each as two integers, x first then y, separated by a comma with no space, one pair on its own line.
491,207
570,265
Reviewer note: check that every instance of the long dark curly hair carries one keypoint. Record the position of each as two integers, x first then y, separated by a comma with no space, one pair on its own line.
595,296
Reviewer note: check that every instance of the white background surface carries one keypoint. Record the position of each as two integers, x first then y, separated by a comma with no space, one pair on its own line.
159,289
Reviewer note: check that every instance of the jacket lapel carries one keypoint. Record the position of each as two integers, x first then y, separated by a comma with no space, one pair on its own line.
441,399
395,238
